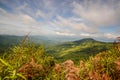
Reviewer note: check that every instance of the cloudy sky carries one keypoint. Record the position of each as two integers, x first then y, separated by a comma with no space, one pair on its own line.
98,19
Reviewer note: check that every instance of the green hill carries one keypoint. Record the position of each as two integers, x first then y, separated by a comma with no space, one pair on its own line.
30,62
76,50
8,41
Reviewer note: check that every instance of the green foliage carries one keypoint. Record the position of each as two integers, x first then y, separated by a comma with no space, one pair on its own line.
31,62
9,72
77,50
102,66
20,56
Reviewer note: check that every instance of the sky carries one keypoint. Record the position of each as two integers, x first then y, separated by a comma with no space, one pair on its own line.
99,19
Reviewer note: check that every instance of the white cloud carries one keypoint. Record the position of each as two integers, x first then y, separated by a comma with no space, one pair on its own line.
97,12
19,20
41,14
97,35
54,17
74,24
65,34
110,35
27,19
21,24
85,34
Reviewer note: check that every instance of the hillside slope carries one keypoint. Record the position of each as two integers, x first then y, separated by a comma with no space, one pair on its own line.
7,41
77,50
32,63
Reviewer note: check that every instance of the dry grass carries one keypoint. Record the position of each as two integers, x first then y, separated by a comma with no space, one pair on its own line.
31,69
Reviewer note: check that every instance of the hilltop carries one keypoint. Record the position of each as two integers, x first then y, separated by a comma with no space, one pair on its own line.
76,50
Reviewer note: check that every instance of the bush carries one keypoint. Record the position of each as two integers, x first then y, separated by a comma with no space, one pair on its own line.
27,61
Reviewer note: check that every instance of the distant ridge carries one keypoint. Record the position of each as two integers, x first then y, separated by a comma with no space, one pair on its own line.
79,49
8,41
85,39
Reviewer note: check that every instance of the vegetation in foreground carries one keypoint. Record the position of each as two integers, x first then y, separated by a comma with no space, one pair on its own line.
31,62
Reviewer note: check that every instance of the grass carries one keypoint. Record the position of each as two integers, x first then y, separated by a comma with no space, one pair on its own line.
32,62
21,56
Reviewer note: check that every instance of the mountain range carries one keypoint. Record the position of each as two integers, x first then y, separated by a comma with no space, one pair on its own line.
8,41
59,49
76,50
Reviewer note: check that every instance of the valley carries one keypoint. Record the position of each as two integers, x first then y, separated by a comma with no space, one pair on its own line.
84,59
76,50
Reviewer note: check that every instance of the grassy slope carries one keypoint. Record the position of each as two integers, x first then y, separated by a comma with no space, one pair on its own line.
76,50
31,62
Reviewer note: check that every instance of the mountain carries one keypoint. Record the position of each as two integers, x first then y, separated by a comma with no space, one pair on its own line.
32,63
76,50
7,41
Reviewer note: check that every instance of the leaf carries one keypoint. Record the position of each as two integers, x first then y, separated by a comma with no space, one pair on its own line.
20,75
14,73
5,63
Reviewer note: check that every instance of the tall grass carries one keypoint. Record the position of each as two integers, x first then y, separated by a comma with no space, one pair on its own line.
31,56
31,62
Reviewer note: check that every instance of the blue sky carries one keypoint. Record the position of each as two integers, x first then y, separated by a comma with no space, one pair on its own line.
98,19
